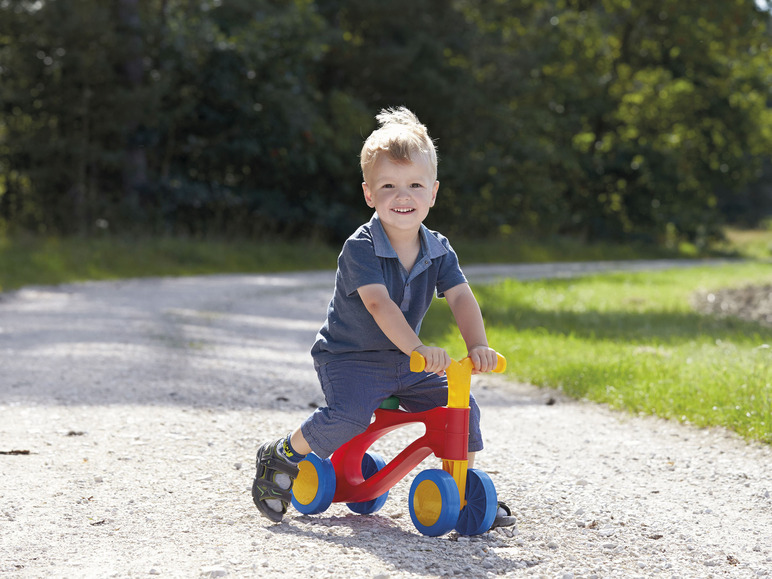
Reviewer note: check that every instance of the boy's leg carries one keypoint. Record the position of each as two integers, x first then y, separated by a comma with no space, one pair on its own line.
348,412
299,442
353,389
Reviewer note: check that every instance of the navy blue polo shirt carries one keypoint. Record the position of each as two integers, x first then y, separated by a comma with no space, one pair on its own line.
368,258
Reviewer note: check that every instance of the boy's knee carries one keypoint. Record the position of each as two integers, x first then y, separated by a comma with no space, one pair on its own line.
329,432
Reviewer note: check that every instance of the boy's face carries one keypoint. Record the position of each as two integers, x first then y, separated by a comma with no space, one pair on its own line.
401,192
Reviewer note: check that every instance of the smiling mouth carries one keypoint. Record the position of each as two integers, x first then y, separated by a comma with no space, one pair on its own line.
403,209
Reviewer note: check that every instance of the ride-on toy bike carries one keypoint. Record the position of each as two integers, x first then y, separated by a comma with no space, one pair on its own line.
454,497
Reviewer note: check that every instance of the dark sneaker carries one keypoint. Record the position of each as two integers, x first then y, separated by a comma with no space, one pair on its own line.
273,481
504,517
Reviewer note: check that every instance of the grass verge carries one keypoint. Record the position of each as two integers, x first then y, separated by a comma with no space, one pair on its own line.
50,261
751,243
30,260
634,342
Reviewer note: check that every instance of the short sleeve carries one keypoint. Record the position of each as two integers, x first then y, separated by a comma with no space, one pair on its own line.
358,265
449,274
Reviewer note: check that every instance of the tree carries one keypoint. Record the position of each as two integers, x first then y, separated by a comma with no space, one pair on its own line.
645,109
56,64
596,118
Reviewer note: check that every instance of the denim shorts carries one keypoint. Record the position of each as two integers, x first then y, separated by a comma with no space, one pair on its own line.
353,389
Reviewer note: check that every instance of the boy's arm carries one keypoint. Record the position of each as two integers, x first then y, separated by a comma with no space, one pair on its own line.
469,319
392,322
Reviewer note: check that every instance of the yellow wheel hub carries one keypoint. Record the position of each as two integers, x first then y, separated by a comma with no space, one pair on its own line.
427,502
307,483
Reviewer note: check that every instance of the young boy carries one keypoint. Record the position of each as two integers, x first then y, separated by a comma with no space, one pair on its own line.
388,272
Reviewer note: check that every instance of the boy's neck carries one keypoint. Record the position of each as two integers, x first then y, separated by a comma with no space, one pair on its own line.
407,244
402,236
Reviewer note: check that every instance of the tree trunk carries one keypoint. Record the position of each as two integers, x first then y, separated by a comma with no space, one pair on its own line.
135,159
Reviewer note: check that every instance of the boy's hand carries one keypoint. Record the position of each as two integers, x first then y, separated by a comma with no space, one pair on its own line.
437,359
483,359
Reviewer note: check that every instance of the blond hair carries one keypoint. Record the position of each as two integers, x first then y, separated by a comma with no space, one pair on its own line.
402,136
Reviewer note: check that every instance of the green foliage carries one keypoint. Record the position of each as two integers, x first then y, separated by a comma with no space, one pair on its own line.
634,342
645,109
247,139
60,115
606,119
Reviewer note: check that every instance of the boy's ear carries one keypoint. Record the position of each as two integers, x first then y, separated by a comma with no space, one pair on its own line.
368,196
434,192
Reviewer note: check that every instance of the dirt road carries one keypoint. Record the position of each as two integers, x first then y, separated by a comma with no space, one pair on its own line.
130,413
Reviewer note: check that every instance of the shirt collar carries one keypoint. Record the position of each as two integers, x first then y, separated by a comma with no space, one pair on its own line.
432,248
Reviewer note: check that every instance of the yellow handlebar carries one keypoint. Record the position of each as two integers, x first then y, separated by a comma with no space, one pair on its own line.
418,363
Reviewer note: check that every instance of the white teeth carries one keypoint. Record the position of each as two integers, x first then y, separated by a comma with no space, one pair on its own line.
403,210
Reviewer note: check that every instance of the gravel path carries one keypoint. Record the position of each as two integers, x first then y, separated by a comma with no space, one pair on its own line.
130,413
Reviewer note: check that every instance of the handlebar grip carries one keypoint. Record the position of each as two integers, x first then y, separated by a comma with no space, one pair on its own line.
418,363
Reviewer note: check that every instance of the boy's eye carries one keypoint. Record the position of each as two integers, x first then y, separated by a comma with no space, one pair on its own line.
416,185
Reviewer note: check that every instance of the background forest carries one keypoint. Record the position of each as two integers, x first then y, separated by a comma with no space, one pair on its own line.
614,120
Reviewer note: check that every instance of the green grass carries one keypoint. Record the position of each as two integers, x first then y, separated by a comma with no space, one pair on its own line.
634,342
29,260
556,249
49,261
751,243
747,243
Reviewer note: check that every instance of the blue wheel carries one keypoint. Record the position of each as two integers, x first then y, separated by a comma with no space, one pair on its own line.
372,462
481,504
313,490
434,502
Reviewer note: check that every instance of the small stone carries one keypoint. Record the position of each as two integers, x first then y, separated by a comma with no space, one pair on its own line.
214,571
